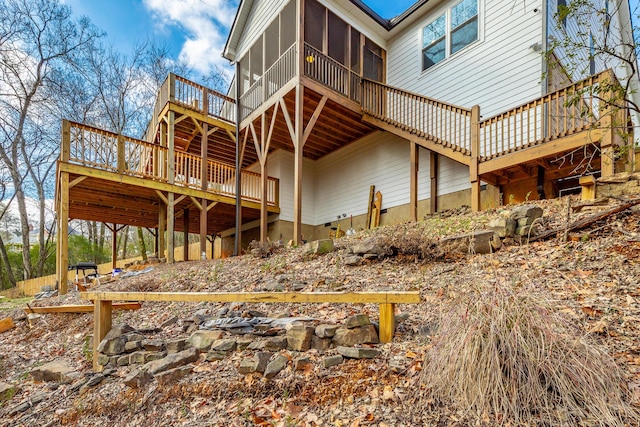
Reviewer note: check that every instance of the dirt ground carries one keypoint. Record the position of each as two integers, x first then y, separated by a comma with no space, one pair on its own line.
591,279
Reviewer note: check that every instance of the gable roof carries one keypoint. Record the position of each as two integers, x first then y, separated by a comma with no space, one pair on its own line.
244,8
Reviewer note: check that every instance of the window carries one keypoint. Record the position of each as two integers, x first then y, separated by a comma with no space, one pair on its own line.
592,54
450,32
562,12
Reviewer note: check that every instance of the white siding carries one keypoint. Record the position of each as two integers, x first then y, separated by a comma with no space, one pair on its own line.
280,165
261,15
498,72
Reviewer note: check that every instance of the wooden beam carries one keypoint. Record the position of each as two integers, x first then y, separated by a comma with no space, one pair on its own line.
203,227
211,206
413,181
475,158
76,181
162,228
6,324
387,322
298,144
433,174
314,118
162,197
101,327
171,218
263,178
381,297
63,235
80,308
196,203
114,247
185,233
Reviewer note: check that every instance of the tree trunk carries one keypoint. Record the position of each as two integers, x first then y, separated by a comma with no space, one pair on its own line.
5,260
143,246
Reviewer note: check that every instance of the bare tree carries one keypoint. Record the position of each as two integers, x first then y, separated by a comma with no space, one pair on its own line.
37,36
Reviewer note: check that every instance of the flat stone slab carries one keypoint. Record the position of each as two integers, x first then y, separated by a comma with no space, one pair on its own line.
172,361
358,353
57,370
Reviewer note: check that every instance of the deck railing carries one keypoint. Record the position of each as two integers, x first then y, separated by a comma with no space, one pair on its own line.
194,96
331,73
276,76
100,149
442,123
565,112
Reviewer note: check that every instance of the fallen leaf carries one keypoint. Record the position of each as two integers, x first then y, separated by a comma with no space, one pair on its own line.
592,312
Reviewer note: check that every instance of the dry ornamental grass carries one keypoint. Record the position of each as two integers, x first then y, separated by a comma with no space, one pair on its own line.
505,356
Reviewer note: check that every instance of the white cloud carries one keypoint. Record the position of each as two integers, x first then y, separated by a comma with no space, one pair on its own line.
206,24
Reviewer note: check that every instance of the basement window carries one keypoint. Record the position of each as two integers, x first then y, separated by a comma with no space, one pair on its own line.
450,32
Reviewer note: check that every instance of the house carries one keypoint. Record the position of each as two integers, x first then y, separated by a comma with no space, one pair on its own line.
451,103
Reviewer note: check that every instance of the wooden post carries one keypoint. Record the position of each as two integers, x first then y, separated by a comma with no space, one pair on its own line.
114,246
120,159
609,121
65,152
297,174
475,153
387,322
101,327
263,180
433,173
413,181
171,161
185,224
203,228
63,234
171,218
162,227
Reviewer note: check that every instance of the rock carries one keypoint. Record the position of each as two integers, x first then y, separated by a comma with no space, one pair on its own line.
320,344
359,353
258,363
123,360
318,247
526,211
479,242
222,312
256,313
247,366
131,346
299,337
275,343
138,378
350,337
525,231
57,370
357,320
272,285
243,342
330,361
502,226
150,356
215,355
175,345
33,401
352,260
103,359
297,287
113,346
301,363
118,330
172,361
261,360
369,248
173,375
7,391
153,345
202,340
224,345
276,365
134,336
326,331
137,358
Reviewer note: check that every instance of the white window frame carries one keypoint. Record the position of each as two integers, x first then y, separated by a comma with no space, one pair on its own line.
447,36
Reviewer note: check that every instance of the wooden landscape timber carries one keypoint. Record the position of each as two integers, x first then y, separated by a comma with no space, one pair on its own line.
85,308
103,304
6,324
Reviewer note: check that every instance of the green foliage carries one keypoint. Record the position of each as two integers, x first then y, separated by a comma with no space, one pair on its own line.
82,249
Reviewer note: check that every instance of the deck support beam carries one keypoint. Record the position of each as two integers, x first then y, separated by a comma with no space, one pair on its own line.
413,181
185,224
433,175
298,145
63,234
204,154
171,219
162,227
475,154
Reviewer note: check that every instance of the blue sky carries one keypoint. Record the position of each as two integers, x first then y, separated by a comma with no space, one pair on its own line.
189,28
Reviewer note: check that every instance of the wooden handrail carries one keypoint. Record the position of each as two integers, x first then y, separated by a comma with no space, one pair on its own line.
566,111
101,149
